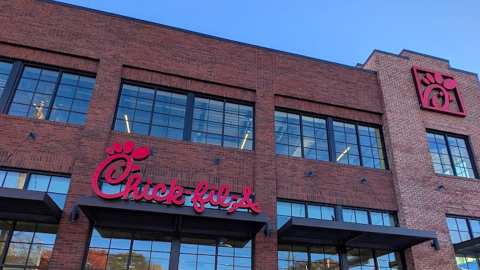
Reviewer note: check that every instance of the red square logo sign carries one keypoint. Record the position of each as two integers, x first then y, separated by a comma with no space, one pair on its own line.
438,91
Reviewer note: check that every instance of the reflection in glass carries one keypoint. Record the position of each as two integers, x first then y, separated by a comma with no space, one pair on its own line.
31,244
119,249
34,96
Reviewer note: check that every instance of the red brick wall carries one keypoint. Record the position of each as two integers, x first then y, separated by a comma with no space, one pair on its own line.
420,204
116,48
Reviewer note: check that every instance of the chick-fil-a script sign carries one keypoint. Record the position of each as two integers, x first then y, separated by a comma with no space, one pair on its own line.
173,194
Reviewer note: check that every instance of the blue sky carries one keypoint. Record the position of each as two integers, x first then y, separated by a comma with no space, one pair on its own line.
342,31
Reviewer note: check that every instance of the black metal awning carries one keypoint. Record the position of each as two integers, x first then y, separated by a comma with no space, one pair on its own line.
326,232
468,247
170,218
28,205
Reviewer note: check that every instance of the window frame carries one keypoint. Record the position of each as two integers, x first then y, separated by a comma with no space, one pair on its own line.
8,242
29,174
175,245
189,108
14,80
446,134
468,219
338,211
342,254
331,138
470,233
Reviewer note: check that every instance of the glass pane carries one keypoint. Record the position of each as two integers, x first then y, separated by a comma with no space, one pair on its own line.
38,182
121,239
59,185
117,259
361,216
5,227
298,210
45,234
97,258
101,238
23,232
40,255
17,254
348,215
314,211
15,180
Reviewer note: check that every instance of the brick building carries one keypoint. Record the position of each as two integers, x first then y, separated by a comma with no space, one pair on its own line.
235,157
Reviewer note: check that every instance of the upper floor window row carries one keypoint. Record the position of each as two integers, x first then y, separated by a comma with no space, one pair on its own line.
184,116
287,210
451,154
323,138
44,93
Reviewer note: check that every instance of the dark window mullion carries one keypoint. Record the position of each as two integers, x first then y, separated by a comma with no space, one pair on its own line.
188,126
331,140
152,112
301,136
357,135
31,242
223,123
449,155
54,96
309,257
129,259
384,150
471,157
7,243
9,88
217,241
375,259
27,180
469,228
174,252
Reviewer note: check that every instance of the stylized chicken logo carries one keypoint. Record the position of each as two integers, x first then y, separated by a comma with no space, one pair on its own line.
438,91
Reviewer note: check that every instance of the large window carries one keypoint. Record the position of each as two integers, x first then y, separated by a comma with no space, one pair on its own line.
163,113
447,149
55,186
143,250
318,257
26,245
152,112
51,94
369,217
215,253
119,249
467,262
287,210
367,259
305,257
328,140
463,229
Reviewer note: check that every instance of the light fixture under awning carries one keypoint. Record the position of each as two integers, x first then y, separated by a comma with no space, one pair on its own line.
170,218
306,230
28,205
468,247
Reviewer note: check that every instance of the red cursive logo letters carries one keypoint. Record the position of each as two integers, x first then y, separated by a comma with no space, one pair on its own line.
173,194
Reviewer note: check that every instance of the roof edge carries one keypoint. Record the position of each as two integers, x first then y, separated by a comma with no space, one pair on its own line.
203,35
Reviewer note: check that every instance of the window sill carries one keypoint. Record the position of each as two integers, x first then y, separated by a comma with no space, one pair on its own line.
333,163
148,137
456,177
26,119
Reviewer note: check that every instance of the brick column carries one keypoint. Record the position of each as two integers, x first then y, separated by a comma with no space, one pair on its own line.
265,256
71,239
